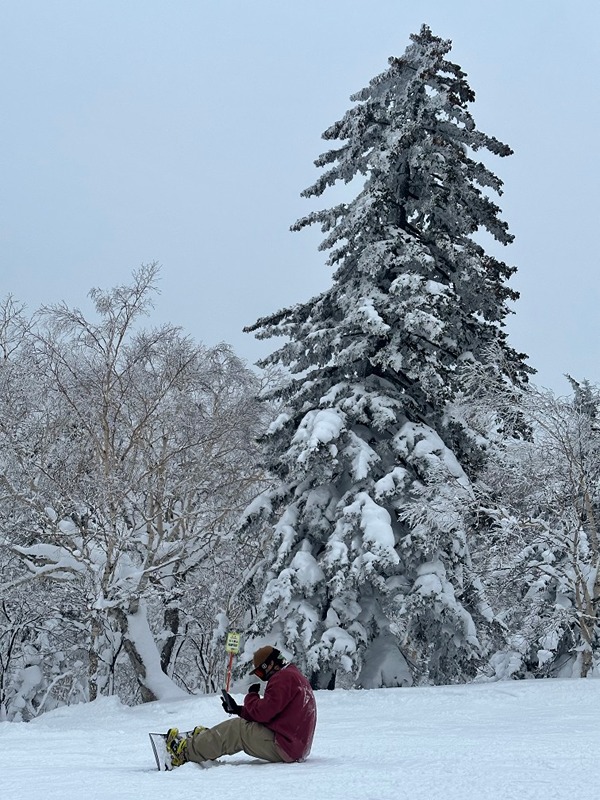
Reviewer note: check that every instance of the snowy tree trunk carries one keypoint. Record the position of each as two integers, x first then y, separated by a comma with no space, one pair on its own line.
171,629
144,656
323,679
95,682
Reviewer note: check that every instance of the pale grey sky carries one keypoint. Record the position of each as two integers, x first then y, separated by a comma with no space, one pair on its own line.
184,132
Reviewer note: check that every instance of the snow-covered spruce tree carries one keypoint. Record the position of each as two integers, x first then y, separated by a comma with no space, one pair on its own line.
369,566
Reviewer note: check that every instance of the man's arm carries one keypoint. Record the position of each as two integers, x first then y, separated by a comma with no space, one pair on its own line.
278,694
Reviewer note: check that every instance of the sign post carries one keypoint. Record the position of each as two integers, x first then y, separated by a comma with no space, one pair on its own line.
232,646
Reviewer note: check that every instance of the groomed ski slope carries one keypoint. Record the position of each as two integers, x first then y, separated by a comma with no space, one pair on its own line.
506,741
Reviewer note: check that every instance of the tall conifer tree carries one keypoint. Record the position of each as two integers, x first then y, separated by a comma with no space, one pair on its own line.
368,568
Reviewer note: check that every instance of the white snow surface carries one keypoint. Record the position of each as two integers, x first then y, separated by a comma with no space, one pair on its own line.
525,740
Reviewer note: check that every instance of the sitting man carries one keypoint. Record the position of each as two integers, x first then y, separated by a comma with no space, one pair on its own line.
277,727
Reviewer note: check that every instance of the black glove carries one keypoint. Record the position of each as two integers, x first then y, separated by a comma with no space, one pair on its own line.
229,704
254,689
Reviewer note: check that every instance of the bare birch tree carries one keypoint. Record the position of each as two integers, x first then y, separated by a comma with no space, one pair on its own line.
137,457
538,508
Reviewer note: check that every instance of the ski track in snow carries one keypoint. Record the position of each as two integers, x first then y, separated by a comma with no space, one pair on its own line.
530,740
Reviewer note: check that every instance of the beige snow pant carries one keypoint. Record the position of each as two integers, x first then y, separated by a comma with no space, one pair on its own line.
233,736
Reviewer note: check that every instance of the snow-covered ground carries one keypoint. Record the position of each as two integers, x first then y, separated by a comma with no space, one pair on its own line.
506,741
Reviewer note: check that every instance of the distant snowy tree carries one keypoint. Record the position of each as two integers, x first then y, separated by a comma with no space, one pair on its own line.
126,456
542,549
40,655
369,565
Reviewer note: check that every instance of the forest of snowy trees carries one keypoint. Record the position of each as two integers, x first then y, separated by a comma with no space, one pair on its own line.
389,497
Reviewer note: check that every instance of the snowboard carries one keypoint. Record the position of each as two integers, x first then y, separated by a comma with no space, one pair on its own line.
159,748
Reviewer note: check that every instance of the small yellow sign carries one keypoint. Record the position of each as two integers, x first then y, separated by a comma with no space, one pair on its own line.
232,645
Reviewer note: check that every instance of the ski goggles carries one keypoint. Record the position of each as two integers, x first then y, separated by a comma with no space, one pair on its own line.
260,673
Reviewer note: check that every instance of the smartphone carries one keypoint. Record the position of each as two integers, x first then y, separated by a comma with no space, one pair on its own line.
228,701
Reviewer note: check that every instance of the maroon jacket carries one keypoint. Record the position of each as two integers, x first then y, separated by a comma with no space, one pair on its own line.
288,708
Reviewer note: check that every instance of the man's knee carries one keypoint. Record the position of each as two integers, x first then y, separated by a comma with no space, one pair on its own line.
259,741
